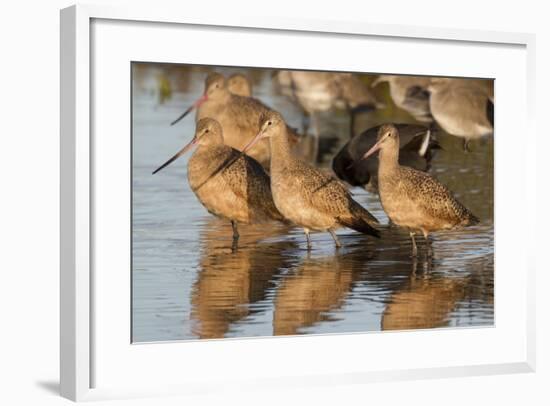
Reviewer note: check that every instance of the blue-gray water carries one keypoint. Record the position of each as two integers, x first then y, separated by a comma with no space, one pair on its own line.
189,284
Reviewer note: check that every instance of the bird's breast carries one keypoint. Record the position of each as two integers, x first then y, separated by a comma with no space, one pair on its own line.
290,201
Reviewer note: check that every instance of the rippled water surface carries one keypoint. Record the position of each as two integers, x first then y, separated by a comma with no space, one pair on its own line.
189,284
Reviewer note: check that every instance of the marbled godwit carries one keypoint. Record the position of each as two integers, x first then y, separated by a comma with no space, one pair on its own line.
316,92
411,198
240,85
238,116
229,184
462,107
409,93
303,194
415,144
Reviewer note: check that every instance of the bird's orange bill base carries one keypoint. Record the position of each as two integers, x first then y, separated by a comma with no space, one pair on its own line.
195,105
180,153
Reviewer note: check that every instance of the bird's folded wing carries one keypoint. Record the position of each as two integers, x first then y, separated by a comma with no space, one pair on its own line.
431,196
322,191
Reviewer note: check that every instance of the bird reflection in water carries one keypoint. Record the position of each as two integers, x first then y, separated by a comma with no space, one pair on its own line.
423,302
315,289
427,301
307,289
230,281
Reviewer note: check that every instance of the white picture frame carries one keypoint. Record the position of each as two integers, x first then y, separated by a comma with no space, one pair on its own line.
77,282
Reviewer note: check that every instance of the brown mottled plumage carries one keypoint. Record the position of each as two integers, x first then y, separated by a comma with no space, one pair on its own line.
229,184
240,85
238,116
303,194
411,198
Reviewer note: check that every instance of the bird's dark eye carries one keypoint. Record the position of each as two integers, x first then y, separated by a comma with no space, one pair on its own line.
207,130
269,123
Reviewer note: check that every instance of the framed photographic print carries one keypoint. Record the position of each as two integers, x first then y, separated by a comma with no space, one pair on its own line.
265,215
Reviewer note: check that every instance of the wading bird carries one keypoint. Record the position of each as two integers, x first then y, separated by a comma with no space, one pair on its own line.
463,107
303,194
411,198
409,93
415,150
228,184
238,116
315,92
240,85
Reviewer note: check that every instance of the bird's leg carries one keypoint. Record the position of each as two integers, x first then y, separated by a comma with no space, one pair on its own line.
306,120
335,238
466,145
429,252
429,264
352,114
414,249
414,267
306,231
316,136
235,232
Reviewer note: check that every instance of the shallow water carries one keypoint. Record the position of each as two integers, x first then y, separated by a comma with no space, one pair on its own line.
189,284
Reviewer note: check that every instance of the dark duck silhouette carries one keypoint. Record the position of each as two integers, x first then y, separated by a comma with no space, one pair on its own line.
416,148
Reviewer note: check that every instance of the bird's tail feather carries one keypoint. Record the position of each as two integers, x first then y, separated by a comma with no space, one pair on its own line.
359,225
472,220
360,212
360,220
